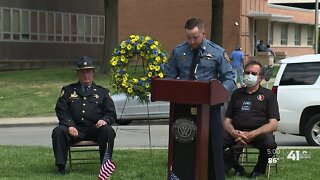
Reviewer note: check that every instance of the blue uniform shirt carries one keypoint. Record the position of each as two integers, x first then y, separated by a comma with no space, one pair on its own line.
214,64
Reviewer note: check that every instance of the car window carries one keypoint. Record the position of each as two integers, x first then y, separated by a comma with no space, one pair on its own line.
300,73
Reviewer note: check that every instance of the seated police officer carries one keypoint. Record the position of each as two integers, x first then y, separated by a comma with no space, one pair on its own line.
251,118
85,112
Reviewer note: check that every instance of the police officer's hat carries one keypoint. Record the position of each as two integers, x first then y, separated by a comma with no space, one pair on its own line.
84,62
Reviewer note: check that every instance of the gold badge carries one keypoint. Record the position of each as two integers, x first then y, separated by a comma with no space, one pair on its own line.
194,111
225,54
74,95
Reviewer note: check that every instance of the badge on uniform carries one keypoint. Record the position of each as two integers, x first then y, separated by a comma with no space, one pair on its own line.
208,56
225,54
73,95
96,96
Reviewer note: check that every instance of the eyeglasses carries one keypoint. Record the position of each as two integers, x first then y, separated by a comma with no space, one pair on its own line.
194,38
253,73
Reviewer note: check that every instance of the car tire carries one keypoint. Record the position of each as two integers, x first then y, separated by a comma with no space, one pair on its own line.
313,131
123,121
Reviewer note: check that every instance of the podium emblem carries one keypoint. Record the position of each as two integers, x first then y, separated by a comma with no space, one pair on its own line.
184,130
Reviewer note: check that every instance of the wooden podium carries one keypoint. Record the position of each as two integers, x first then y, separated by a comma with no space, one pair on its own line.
188,123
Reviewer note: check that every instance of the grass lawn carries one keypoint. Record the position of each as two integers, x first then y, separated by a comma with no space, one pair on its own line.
33,93
26,162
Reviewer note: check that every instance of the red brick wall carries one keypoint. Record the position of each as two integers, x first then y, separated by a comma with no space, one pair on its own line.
163,20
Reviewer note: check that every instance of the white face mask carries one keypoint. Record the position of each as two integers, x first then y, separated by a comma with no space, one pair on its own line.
250,80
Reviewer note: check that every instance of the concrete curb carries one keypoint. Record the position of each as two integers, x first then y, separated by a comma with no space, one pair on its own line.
32,121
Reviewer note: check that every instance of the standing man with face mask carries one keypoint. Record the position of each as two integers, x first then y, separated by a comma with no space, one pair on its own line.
251,118
85,112
200,59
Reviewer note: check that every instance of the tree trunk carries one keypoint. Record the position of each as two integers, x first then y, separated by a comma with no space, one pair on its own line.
217,22
111,33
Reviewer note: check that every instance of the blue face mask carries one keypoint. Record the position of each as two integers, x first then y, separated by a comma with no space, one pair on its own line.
250,80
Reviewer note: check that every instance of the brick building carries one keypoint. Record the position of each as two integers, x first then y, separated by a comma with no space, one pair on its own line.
45,33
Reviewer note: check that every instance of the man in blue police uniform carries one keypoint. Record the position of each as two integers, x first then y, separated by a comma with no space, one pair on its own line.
85,112
201,59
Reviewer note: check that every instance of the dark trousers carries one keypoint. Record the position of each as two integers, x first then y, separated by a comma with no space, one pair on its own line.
61,140
265,143
215,151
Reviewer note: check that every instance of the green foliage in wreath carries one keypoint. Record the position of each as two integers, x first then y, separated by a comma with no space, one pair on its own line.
142,51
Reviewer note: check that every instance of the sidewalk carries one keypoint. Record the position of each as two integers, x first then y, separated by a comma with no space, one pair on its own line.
32,121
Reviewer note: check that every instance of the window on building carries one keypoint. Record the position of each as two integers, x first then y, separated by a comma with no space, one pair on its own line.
0,24
66,27
16,24
271,34
6,24
50,23
310,36
46,26
80,28
284,34
87,29
73,28
34,25
95,29
25,25
58,27
297,35
42,26
101,29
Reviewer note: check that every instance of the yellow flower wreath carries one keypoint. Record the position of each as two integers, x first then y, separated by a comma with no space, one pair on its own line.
153,60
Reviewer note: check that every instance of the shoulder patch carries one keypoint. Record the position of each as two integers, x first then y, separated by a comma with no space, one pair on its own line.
226,56
62,93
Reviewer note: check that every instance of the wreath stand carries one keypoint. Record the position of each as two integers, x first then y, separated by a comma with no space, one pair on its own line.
142,49
147,103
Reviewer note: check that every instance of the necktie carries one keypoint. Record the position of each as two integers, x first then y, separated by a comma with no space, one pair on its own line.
195,61
85,88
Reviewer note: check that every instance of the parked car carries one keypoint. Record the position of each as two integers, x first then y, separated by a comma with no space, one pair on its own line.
297,86
129,109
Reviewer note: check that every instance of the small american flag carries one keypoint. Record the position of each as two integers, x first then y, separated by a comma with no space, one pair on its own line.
173,176
107,168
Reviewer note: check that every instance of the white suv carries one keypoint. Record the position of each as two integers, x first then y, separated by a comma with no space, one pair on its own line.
297,86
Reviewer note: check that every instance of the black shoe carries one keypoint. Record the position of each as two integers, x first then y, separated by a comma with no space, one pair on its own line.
255,174
62,170
240,172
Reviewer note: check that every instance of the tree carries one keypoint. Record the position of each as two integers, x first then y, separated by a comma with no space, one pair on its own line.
217,22
111,33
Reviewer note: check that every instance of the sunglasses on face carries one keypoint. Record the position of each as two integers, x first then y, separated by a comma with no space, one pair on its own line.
253,73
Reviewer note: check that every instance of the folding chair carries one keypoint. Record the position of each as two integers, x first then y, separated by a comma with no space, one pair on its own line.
248,157
80,148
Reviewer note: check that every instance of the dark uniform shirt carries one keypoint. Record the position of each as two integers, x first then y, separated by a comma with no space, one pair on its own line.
251,111
213,64
78,108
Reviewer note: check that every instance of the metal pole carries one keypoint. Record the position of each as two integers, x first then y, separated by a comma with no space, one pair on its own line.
316,34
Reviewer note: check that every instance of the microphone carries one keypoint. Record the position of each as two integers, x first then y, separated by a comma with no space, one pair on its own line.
195,71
